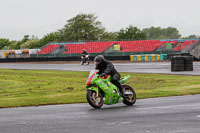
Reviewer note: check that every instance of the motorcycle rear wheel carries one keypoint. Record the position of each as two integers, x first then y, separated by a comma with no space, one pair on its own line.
129,99
95,102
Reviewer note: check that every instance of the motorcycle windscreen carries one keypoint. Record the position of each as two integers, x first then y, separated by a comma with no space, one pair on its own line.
91,76
92,72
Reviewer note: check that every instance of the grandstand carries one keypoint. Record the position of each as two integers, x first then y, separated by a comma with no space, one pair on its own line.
113,50
48,49
184,45
118,47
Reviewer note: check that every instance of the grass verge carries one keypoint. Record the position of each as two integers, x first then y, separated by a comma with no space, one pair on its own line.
42,87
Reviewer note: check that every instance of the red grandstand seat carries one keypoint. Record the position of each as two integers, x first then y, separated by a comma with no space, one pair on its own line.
48,49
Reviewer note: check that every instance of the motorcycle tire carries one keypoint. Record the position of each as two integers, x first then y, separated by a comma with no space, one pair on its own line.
127,100
177,62
176,69
188,62
188,69
91,101
88,62
188,58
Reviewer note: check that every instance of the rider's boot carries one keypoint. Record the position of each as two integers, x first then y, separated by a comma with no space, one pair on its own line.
120,87
121,93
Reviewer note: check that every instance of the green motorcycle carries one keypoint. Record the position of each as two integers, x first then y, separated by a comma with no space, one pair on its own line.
101,91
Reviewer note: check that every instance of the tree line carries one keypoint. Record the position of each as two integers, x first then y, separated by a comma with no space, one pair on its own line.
86,27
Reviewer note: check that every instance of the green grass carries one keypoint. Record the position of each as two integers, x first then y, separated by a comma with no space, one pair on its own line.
42,87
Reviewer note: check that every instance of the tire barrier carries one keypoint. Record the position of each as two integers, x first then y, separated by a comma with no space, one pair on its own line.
181,63
148,57
188,63
75,58
170,56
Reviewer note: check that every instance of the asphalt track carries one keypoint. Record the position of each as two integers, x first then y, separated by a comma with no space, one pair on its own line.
179,114
150,67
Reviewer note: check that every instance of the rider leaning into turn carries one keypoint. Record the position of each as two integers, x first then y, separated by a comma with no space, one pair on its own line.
107,68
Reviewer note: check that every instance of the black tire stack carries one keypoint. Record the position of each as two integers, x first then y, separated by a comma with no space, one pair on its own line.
181,63
188,62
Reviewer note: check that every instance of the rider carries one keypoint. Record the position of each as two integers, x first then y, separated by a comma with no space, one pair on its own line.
84,52
107,68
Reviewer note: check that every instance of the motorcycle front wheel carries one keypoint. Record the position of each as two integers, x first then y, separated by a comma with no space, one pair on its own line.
82,62
129,95
93,100
88,62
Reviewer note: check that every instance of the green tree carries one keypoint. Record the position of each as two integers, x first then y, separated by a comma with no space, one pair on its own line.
4,42
26,42
191,37
82,27
131,33
153,32
30,44
171,33
157,33
10,46
109,36
19,43
51,37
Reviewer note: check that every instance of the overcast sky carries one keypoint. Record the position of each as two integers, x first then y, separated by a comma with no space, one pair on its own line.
39,17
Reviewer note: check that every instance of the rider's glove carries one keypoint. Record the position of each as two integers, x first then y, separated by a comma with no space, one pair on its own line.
102,75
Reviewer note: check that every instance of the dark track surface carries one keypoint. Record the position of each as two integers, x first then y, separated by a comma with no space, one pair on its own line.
150,67
179,114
